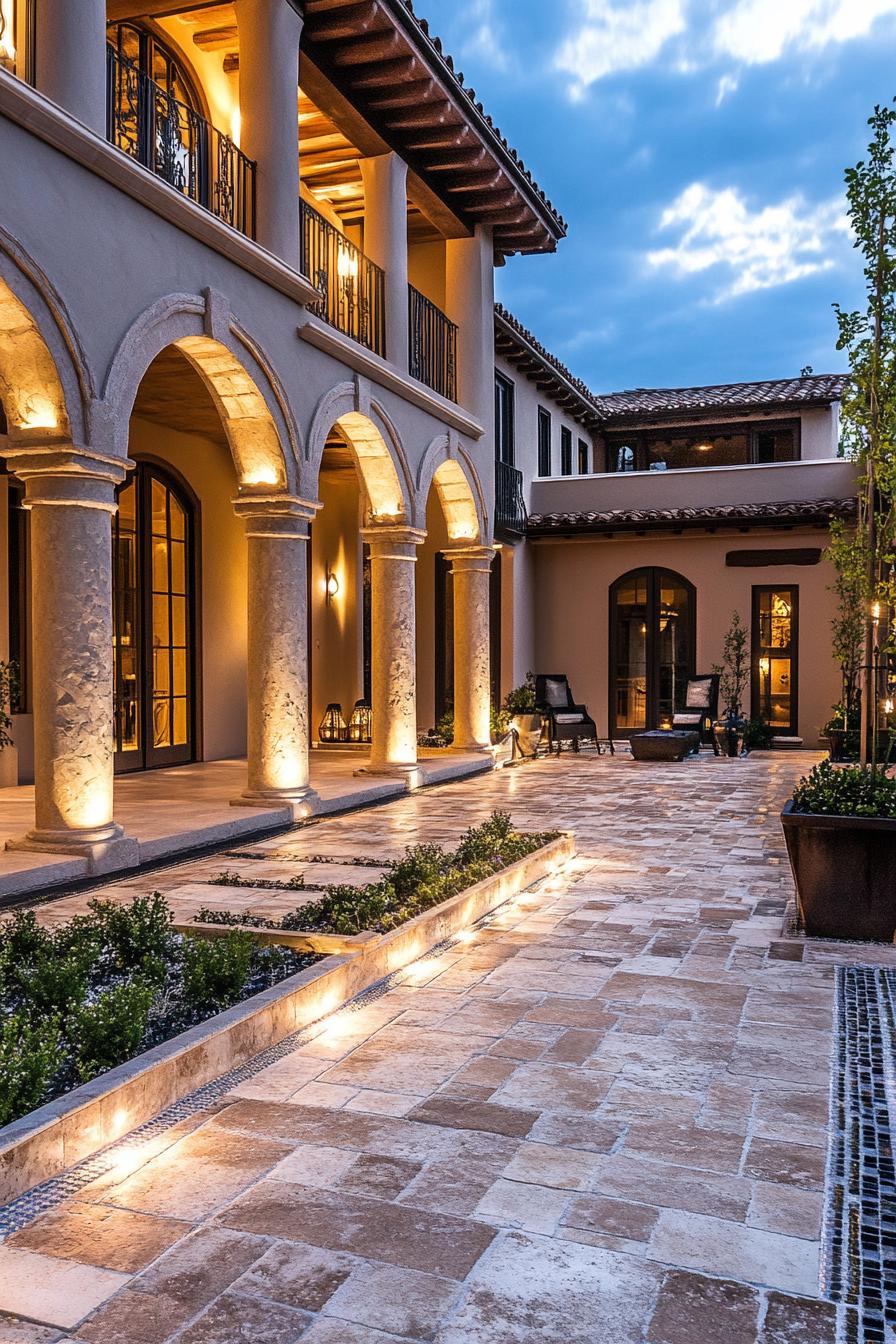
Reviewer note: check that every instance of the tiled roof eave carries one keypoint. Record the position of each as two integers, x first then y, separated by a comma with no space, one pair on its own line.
790,513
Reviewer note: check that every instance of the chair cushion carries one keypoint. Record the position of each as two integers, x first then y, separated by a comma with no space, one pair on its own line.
555,693
687,718
569,718
699,693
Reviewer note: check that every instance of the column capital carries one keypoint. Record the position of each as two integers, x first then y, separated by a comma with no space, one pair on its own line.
470,558
63,473
276,515
393,542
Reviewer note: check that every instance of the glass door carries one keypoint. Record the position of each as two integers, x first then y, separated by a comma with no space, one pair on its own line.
652,649
774,663
153,587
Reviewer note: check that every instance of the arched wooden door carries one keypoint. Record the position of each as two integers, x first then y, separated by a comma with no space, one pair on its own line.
653,646
153,548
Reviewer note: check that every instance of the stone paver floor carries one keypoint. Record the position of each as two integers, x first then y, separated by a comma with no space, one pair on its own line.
601,1119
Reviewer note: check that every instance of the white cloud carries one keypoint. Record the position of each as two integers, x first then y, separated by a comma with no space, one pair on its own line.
617,35
483,37
758,31
751,248
610,36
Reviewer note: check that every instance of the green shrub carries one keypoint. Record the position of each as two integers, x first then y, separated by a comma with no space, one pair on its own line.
136,937
521,700
758,736
846,791
215,972
109,1029
56,981
30,1054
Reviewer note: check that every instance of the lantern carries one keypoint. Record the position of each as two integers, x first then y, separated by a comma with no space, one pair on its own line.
332,725
359,726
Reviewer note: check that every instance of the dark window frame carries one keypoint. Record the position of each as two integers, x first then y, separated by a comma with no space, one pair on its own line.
565,450
545,442
505,419
639,441
758,651
583,457
653,575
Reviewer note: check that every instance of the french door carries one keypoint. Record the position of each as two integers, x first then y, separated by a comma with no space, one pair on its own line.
652,649
153,546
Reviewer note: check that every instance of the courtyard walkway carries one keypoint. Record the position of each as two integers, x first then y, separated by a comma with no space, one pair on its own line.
600,1119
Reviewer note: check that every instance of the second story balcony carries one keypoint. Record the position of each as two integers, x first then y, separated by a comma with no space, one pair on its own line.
352,287
433,345
169,137
510,503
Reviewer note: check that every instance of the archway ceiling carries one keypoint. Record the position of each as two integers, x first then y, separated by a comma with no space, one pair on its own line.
172,394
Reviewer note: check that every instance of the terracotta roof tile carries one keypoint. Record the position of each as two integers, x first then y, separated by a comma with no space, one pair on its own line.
804,511
644,401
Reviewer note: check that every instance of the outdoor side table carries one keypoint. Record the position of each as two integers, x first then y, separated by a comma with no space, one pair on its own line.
663,745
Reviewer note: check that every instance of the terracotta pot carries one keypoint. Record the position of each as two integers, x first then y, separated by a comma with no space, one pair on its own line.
843,871
528,732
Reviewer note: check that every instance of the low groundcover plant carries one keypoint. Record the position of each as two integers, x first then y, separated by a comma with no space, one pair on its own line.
426,876
846,791
77,1000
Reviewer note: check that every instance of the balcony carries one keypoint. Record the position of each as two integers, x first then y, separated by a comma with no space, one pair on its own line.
510,506
433,345
352,287
176,143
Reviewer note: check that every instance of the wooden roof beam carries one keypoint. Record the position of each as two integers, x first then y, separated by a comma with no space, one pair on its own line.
347,24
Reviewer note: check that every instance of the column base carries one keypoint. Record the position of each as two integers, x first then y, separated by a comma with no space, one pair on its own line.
474,748
302,803
106,848
411,773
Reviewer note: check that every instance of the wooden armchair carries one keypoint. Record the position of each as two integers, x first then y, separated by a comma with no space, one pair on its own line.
701,706
567,721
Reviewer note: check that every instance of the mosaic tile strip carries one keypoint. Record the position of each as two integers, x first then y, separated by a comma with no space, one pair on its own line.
24,1209
860,1205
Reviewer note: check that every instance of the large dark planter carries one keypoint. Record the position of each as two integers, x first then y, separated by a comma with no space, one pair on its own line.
728,737
844,869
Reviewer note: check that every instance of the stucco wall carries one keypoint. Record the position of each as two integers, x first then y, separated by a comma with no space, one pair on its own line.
336,649
572,582
436,540
527,400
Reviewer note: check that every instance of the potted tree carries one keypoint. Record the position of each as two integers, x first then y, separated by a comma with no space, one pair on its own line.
9,694
526,723
840,830
734,671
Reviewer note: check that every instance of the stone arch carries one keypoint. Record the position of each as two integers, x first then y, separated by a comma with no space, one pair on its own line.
446,466
254,410
374,444
45,383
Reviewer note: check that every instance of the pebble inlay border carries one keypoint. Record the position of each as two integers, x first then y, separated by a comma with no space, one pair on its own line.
860,1204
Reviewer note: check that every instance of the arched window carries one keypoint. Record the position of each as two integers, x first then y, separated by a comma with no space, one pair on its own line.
155,112
652,648
153,547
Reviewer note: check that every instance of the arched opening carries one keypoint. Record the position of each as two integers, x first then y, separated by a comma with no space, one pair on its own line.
180,578
154,537
358,485
452,522
653,648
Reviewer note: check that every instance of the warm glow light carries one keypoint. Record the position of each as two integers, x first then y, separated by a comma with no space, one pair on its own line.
38,413
765,666
263,476
332,586
888,706
7,32
704,447
347,264
236,125
875,612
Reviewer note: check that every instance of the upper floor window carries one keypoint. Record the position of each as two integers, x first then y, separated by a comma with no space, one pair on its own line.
704,446
152,57
544,442
17,30
583,458
504,419
565,451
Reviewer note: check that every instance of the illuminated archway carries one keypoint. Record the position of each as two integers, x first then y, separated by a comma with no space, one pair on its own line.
457,485
374,445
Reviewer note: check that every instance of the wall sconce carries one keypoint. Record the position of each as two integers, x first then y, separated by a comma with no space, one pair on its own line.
875,613
333,727
359,728
887,706
347,265
332,586
765,666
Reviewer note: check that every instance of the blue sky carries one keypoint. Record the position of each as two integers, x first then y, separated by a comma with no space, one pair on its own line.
696,149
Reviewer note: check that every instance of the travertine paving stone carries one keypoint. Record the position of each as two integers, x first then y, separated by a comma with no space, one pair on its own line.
601,1119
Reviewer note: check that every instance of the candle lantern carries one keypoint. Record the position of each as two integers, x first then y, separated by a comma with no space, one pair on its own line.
359,727
332,725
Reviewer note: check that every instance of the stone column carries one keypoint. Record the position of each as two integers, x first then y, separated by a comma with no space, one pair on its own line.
470,569
470,302
70,57
386,243
70,493
269,33
393,653
277,535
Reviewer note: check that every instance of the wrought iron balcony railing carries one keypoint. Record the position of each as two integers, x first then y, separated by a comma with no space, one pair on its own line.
433,345
510,506
176,143
352,287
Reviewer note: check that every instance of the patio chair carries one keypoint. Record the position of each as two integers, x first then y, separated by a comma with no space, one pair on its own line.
567,721
701,705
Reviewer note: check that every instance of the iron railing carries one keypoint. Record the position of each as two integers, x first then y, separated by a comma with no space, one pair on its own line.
510,505
352,287
433,345
176,143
